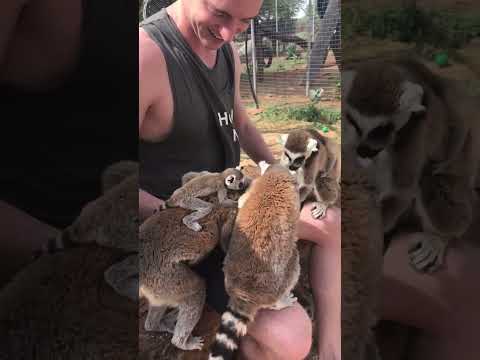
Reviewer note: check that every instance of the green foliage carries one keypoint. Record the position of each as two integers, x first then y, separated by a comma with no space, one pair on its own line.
292,52
309,113
286,9
409,24
282,64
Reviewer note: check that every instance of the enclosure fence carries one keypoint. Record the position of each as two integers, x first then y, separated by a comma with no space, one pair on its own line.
291,49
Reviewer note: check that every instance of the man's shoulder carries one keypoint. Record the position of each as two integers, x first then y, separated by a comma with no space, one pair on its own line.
149,53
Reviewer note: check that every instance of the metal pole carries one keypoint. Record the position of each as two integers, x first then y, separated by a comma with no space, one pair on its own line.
313,21
254,56
276,24
307,81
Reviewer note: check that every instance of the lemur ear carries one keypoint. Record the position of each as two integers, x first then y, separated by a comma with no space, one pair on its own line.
263,166
312,145
282,139
230,179
411,98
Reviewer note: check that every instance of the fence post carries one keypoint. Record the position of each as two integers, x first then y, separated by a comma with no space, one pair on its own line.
276,25
254,56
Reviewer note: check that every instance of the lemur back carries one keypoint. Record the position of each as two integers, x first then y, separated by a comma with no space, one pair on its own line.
262,264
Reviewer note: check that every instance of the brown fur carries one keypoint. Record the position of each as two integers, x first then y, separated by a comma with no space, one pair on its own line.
203,185
362,247
59,306
111,220
262,260
433,160
167,250
321,170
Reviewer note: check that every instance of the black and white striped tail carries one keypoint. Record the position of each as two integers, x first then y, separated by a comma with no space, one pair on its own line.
227,340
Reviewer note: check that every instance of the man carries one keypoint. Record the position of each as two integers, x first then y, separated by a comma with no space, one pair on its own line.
191,118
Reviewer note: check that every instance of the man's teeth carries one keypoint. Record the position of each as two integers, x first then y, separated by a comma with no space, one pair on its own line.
215,36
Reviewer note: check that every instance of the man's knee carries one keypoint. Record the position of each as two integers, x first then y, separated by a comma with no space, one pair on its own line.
323,232
280,335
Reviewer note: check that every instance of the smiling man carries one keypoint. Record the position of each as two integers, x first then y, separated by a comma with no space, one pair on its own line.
192,119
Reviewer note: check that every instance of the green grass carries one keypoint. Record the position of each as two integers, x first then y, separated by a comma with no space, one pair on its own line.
281,64
318,117
441,29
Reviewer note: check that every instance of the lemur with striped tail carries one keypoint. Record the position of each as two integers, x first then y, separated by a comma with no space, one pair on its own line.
262,263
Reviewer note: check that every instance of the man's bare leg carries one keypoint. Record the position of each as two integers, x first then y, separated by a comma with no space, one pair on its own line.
325,277
278,335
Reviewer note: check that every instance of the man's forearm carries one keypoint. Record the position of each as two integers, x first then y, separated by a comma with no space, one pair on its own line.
253,144
147,204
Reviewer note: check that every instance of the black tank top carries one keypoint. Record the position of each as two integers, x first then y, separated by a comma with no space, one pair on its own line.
202,137
56,144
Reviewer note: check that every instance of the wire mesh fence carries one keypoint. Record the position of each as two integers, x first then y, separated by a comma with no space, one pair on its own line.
291,50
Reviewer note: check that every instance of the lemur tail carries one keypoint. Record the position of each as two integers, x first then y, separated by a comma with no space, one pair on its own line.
233,327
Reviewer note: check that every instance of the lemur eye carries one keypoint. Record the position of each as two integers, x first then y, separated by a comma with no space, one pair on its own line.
299,160
354,124
288,157
380,132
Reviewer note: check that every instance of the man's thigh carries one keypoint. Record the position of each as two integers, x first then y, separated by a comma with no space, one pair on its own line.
286,332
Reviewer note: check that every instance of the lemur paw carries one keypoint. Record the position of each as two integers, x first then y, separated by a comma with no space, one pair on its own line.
195,226
284,302
319,210
427,254
193,343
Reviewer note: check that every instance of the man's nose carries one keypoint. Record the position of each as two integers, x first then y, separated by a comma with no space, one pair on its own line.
227,32
232,28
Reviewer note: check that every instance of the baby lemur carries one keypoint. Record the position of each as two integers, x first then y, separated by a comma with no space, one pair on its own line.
110,221
168,249
204,184
262,264
317,161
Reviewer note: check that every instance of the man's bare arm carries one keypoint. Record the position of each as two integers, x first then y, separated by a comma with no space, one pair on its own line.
251,140
155,118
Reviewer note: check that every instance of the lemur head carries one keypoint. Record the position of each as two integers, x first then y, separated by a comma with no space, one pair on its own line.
298,146
234,179
278,168
377,102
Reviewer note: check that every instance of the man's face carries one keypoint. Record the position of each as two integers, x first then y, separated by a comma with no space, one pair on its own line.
216,22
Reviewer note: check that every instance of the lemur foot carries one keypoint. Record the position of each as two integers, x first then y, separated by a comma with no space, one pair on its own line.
427,253
195,226
193,343
168,321
319,210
